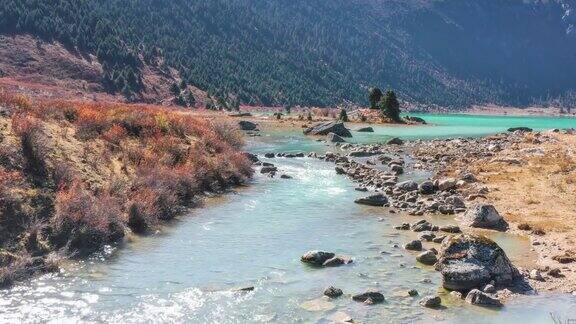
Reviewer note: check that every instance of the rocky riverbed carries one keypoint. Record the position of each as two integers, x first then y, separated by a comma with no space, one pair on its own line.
422,178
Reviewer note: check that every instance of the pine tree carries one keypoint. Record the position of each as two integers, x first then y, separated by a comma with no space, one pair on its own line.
191,99
343,115
175,89
374,96
390,106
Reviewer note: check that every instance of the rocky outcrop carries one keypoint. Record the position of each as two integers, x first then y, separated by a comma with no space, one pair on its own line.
471,261
325,128
521,129
378,200
484,216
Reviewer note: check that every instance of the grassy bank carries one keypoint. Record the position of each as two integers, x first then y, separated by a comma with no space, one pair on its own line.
76,176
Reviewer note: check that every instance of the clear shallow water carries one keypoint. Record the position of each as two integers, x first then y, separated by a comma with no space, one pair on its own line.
255,238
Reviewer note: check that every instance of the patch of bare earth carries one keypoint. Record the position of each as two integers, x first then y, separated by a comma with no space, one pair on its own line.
533,185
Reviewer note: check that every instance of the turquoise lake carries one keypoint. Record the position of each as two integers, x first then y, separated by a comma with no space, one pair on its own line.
255,236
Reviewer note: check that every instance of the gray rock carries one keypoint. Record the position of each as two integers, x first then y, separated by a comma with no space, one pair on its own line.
456,202
395,141
397,169
412,292
269,155
484,216
247,125
521,129
489,289
374,296
407,186
378,200
431,302
415,245
446,184
333,292
426,188
427,258
285,176
325,128
268,169
472,261
454,229
316,258
333,138
365,130
479,298
336,261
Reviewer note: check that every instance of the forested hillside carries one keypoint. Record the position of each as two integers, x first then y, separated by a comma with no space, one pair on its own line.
443,52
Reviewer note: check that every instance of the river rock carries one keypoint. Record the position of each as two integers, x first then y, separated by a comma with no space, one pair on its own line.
415,245
285,176
469,261
479,298
333,138
325,128
333,292
251,157
378,200
269,155
446,184
397,169
426,188
521,129
431,302
374,296
484,216
268,169
454,229
407,186
247,125
395,141
365,130
427,258
336,261
316,258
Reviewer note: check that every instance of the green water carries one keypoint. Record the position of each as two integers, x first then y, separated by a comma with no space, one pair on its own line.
255,238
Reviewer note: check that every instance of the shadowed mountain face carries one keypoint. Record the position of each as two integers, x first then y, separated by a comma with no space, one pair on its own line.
444,52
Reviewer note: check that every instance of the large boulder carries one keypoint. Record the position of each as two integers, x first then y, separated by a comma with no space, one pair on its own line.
484,216
378,200
325,128
247,125
471,261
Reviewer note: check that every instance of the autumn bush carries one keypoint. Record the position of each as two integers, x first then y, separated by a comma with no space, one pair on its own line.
93,170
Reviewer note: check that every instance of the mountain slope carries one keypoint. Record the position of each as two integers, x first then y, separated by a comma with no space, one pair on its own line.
443,52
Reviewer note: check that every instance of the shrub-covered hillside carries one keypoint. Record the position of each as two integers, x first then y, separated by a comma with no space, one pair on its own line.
77,176
445,52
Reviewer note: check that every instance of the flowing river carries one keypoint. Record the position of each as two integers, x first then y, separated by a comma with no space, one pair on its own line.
256,236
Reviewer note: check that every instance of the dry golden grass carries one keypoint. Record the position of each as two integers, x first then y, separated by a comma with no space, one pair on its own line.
540,192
